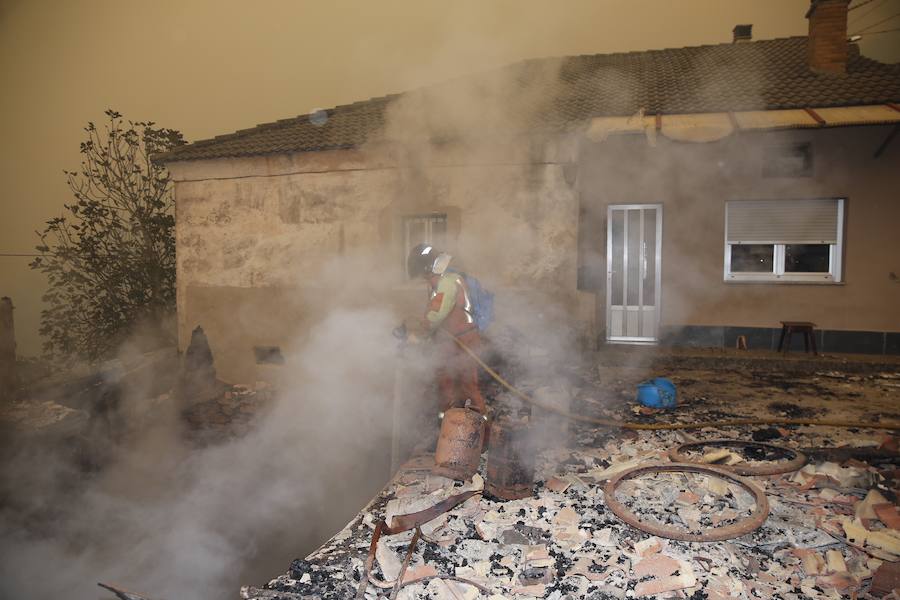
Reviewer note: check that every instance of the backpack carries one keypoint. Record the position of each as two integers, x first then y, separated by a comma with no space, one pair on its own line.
482,301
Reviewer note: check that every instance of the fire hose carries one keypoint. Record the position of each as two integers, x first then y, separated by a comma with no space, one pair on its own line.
664,426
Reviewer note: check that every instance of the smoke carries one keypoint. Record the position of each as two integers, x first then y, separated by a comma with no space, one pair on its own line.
173,521
169,520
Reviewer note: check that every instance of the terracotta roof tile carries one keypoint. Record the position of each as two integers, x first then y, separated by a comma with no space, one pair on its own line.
560,93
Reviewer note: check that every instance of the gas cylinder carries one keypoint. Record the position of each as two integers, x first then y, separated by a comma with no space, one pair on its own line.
459,445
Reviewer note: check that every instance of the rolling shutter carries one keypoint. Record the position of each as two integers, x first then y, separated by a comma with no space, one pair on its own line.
783,221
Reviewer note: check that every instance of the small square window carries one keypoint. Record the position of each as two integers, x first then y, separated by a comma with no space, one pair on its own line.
753,258
424,229
806,258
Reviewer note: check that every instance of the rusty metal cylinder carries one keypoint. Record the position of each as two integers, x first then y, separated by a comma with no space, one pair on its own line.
458,451
510,463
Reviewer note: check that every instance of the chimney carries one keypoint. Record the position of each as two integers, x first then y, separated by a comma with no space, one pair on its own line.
742,33
826,49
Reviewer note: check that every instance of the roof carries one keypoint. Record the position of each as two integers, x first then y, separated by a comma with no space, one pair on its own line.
564,93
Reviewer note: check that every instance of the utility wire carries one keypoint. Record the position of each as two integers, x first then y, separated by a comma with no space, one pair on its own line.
864,29
867,13
882,31
14,254
860,5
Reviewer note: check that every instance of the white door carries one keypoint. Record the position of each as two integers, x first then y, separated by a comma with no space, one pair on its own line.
633,258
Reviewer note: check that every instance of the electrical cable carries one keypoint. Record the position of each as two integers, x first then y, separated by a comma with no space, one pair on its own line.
666,426
868,33
860,5
865,14
864,29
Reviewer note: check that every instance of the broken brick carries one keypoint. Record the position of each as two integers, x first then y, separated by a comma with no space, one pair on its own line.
566,516
837,581
420,572
555,484
811,562
649,546
666,584
887,513
835,561
865,510
657,565
886,579
688,498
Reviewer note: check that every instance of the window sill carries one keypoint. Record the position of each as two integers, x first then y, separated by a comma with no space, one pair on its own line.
781,281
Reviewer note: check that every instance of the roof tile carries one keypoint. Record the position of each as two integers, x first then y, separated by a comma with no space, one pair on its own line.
559,93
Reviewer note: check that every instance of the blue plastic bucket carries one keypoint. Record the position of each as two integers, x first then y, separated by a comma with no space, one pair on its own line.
657,393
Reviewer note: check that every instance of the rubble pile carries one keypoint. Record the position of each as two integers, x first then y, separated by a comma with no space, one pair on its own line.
832,530
228,414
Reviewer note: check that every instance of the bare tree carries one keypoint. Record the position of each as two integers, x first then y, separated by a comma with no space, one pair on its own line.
110,260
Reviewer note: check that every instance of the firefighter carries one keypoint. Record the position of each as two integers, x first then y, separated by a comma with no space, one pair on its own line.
449,309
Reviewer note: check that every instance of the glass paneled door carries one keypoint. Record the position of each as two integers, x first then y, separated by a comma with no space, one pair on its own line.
633,258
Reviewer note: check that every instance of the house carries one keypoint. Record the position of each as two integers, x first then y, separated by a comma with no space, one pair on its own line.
683,196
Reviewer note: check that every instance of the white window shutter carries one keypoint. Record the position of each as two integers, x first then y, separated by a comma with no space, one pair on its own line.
807,221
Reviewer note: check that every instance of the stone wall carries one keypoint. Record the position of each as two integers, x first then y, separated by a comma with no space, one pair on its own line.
267,245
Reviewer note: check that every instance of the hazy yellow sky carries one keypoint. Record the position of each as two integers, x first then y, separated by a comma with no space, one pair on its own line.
208,67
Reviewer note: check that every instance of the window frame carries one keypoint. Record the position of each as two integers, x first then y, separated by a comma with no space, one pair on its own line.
429,218
778,274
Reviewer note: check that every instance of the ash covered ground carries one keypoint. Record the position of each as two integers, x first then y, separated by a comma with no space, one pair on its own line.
564,542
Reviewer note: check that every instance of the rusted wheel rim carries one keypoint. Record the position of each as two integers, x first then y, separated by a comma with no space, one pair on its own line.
747,525
679,455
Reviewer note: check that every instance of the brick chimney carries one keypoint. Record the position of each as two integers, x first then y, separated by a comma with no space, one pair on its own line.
742,33
827,43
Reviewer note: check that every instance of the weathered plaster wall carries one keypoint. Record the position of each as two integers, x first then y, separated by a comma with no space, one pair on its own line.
263,243
693,182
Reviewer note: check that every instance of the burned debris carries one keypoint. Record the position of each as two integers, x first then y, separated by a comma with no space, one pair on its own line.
605,514
755,458
509,472
197,378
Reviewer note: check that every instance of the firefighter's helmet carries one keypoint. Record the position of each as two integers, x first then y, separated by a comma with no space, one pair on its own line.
420,261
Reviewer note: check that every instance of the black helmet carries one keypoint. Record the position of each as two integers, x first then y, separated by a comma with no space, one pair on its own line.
420,260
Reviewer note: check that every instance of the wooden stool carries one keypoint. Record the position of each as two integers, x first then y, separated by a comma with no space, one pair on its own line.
804,327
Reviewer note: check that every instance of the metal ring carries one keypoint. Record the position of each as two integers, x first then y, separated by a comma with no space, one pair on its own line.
679,455
751,523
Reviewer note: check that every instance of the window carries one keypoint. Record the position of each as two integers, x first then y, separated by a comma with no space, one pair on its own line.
784,240
423,229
